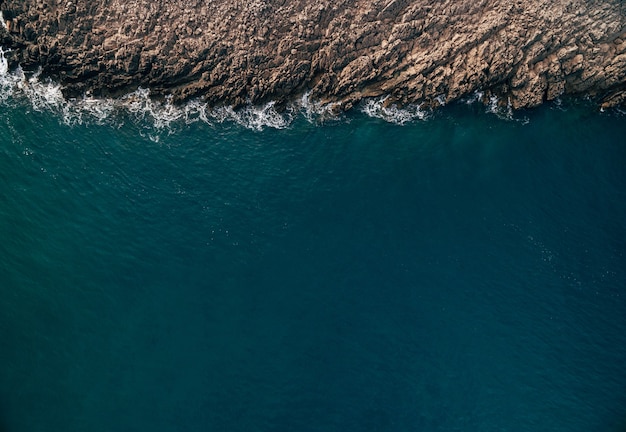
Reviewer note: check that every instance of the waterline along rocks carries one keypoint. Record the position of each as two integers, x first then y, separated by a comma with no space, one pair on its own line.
236,52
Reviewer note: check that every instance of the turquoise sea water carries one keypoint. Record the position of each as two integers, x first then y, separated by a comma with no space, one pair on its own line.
463,273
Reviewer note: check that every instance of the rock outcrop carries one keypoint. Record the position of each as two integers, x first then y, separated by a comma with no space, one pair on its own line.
235,52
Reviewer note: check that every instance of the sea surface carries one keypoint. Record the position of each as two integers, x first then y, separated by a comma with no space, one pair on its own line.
262,271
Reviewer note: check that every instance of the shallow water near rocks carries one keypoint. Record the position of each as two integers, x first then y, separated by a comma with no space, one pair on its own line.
460,273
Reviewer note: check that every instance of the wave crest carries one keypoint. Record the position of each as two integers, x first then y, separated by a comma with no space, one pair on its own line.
160,116
378,108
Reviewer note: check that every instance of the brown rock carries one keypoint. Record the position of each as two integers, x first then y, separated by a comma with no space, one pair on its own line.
340,50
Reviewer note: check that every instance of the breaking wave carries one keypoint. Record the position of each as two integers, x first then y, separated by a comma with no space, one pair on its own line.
163,116
377,108
138,106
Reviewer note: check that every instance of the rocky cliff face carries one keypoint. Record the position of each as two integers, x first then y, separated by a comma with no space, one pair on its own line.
234,51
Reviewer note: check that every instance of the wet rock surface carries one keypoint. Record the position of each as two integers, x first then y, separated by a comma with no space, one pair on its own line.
236,52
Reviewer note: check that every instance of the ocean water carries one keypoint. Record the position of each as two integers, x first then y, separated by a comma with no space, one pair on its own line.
257,271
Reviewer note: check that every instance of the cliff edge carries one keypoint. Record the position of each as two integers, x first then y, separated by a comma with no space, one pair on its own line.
236,52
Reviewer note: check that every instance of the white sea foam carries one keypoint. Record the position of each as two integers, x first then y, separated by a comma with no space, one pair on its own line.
477,96
162,115
138,106
8,81
317,112
377,108
3,22
441,99
253,117
494,105
41,95
4,64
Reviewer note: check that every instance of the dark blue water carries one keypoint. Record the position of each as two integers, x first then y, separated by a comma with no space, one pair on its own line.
459,274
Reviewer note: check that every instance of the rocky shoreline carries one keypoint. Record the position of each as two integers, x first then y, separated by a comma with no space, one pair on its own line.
237,52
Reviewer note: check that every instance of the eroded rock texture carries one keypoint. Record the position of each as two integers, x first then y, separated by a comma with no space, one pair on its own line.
233,51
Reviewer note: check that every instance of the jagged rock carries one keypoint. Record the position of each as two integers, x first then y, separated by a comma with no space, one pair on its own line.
237,51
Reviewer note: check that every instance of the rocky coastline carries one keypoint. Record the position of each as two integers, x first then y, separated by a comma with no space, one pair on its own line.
238,52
